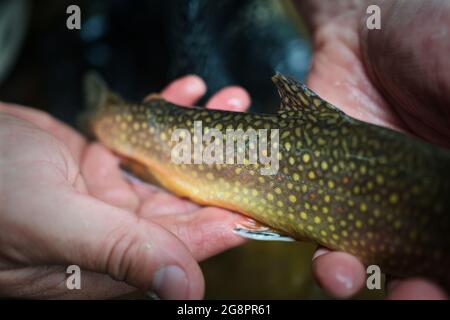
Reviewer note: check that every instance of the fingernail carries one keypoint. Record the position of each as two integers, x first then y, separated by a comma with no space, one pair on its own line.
196,85
345,280
171,283
320,252
235,102
153,296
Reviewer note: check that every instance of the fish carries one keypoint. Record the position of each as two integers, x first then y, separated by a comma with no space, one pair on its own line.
378,194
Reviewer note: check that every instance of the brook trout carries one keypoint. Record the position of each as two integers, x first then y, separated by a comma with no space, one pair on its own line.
340,182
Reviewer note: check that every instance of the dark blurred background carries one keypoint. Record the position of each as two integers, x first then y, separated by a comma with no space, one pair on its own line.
139,46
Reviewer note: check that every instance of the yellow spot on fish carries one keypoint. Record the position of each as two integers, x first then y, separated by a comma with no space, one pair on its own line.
376,212
287,146
363,207
393,198
306,157
311,175
123,126
324,165
358,223
293,198
296,177
277,190
317,219
270,197
379,179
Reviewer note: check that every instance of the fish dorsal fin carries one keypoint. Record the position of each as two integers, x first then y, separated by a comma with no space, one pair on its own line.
297,97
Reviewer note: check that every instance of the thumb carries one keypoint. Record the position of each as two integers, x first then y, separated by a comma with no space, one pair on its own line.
78,229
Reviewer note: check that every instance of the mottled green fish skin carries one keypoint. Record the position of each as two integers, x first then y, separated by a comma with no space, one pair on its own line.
343,183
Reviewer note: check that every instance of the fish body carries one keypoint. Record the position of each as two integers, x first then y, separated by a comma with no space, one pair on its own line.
343,183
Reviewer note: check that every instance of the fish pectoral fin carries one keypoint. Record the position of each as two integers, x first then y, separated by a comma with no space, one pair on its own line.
153,96
261,233
136,170
297,97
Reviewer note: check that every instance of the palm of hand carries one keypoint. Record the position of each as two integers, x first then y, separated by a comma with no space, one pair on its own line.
359,71
54,166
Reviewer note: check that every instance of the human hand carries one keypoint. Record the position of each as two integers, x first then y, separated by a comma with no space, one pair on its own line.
65,201
395,77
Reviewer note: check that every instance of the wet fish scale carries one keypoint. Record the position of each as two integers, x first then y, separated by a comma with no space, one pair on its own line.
343,183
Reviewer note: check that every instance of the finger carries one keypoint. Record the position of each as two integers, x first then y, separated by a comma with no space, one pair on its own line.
104,179
81,230
230,98
162,203
50,282
415,289
156,201
340,274
71,138
143,190
206,232
184,91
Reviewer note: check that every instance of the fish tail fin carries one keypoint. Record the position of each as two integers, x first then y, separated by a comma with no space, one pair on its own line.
98,97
